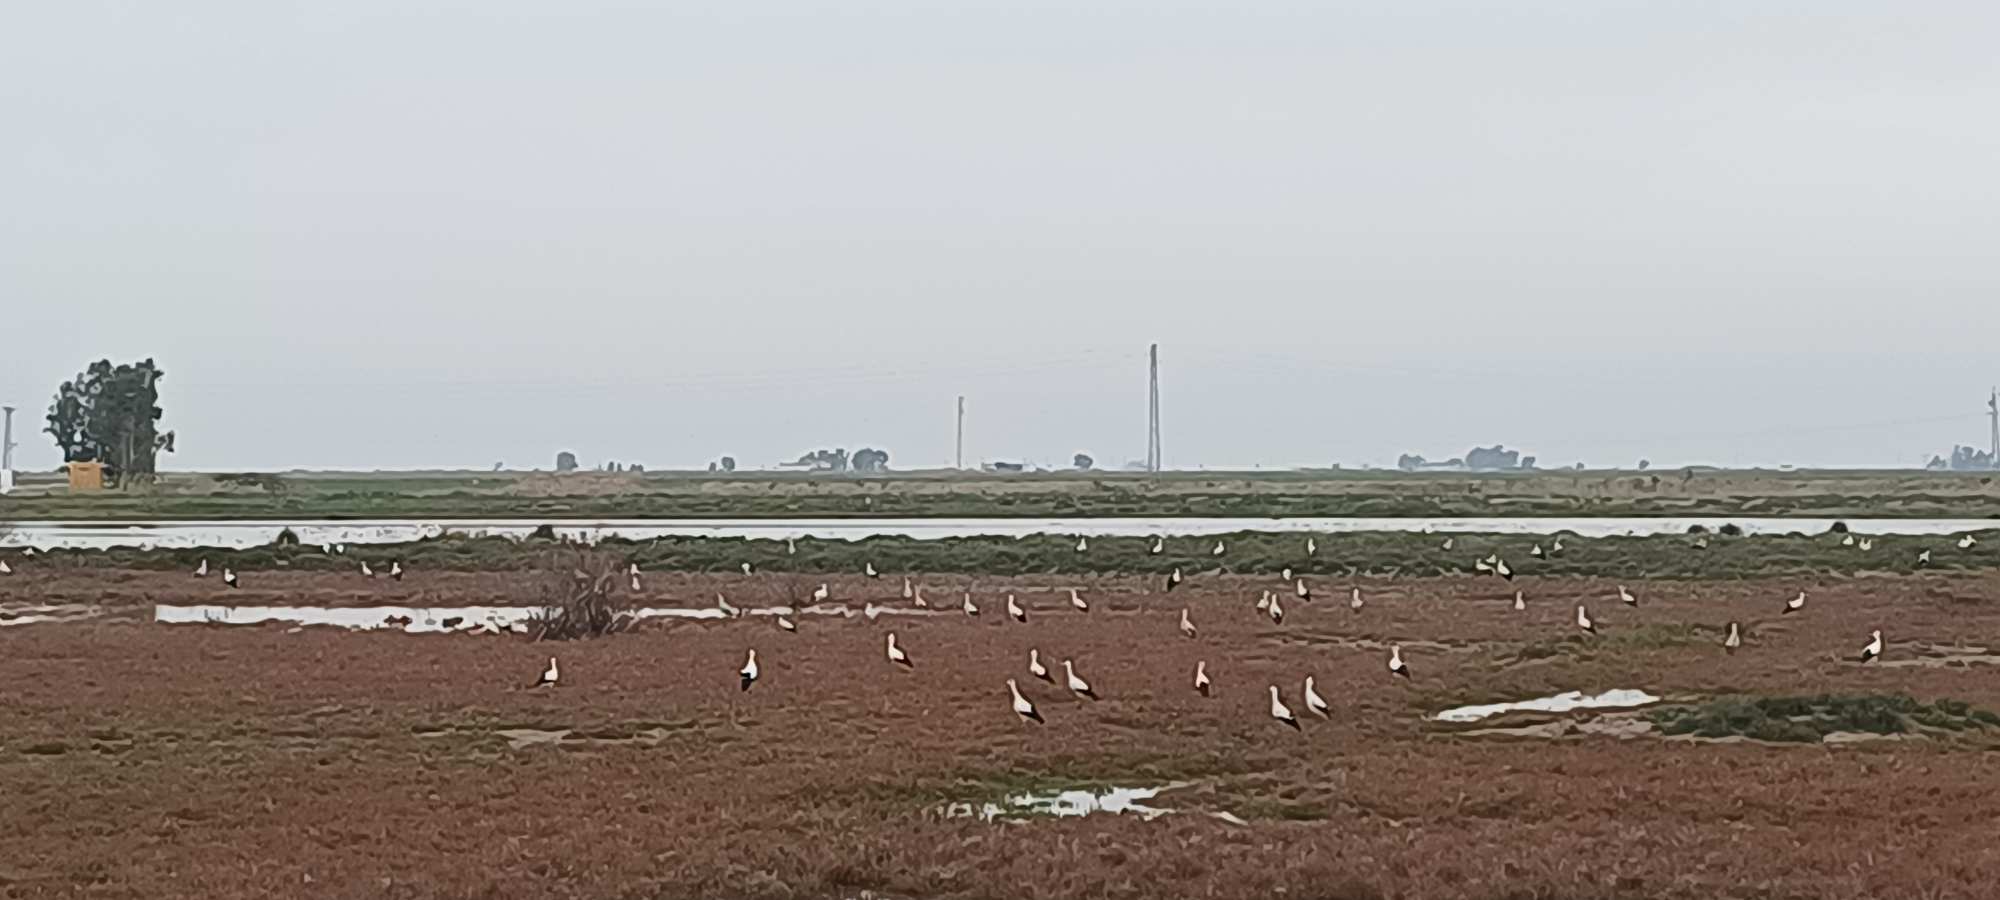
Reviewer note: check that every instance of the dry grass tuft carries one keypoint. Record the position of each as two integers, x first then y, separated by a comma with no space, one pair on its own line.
582,593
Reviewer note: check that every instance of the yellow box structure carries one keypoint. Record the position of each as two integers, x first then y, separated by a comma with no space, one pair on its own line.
86,476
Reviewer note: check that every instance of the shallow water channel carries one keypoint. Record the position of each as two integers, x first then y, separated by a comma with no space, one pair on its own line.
1564,702
253,533
493,619
1065,803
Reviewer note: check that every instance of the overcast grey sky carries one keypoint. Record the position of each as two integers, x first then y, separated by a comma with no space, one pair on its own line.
384,234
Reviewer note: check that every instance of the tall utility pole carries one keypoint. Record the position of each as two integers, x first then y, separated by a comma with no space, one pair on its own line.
7,451
1153,457
1993,412
961,432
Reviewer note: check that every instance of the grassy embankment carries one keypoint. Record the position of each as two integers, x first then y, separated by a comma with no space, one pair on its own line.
1811,719
1848,494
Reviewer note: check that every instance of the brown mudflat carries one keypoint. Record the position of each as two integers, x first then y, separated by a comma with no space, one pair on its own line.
143,760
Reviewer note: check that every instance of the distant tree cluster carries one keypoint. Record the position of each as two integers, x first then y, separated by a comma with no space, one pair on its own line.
871,460
1479,459
1411,462
825,460
1964,459
110,414
1083,462
1497,458
566,462
867,460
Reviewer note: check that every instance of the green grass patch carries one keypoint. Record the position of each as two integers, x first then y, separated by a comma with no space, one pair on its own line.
1811,719
1658,636
1323,492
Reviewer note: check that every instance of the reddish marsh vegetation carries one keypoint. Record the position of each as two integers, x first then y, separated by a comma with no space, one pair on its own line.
142,760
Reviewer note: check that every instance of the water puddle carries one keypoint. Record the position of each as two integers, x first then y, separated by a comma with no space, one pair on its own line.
254,533
1063,804
1573,700
477,619
522,737
1944,657
1864,737
413,620
1617,725
1831,737
33,613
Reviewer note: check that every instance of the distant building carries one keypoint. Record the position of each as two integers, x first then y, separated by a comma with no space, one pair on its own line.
86,476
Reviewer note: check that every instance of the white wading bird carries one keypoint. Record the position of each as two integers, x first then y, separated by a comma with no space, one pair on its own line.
1035,666
1315,704
1077,685
1022,707
1279,712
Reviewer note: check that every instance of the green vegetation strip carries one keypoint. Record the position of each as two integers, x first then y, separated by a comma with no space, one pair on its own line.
1650,636
1248,553
1320,493
1811,719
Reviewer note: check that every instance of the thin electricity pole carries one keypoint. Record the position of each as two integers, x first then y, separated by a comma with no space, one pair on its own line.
7,452
1154,458
7,440
1993,412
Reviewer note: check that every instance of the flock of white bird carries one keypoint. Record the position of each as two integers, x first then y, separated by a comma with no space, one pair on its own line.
1270,604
